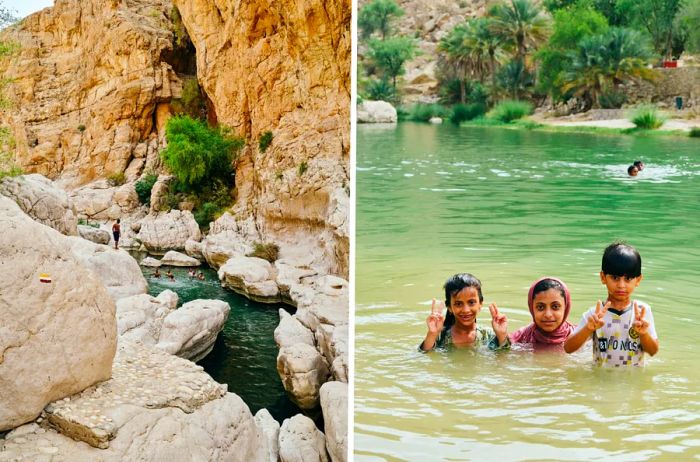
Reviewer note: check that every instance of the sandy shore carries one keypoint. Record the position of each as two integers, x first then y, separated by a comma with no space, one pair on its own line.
583,121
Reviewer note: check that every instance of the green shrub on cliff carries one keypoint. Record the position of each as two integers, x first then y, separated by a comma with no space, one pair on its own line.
198,154
266,251
143,188
265,141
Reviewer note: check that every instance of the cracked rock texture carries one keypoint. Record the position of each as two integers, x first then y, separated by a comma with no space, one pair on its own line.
39,198
156,407
63,330
86,82
292,66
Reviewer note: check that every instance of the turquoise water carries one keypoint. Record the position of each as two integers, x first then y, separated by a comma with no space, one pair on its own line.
511,206
245,354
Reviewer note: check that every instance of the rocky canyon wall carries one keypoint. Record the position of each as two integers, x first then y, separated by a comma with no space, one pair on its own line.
283,67
93,81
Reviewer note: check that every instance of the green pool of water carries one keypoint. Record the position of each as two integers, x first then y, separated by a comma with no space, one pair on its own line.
244,355
511,206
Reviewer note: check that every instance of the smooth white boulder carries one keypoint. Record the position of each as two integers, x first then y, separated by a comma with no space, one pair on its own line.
301,441
303,370
290,331
252,277
118,271
374,112
191,330
56,337
334,404
43,201
168,231
151,262
270,429
96,235
174,258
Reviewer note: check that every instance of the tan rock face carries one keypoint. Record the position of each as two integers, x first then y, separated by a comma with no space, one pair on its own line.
87,80
289,68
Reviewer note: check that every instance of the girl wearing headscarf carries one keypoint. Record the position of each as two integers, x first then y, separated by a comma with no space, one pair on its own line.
549,301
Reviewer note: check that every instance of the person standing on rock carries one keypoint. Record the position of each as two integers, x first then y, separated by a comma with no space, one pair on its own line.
116,231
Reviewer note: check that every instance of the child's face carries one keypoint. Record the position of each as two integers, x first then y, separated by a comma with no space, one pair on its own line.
620,288
548,309
465,305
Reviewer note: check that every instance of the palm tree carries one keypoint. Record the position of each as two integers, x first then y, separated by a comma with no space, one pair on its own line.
603,62
521,23
491,43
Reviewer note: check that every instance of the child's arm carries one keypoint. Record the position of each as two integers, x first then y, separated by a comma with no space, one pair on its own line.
649,343
499,323
583,332
435,322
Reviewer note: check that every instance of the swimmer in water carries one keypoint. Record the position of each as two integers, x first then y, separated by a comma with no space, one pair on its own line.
632,170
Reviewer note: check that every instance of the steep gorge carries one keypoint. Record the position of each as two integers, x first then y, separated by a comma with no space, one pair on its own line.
93,83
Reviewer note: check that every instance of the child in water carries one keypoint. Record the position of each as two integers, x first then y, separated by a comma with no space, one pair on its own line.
622,329
464,299
549,301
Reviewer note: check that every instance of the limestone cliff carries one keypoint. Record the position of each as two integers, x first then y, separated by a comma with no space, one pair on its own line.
93,81
283,67
86,81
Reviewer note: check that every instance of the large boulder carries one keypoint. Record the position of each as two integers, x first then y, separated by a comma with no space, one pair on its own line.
191,330
168,231
376,112
301,441
96,235
173,258
156,407
303,370
334,404
271,432
118,271
56,337
101,201
188,332
218,248
290,331
252,277
43,201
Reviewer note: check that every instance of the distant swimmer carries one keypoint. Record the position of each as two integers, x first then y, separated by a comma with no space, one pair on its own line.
632,170
639,164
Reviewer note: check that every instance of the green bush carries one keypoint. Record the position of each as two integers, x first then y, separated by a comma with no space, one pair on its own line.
303,167
116,179
694,132
380,90
198,154
143,188
421,112
206,214
647,118
81,128
510,110
265,141
462,112
269,252
8,168
612,99
84,222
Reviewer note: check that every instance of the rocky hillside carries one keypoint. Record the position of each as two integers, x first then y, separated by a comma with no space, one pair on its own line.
94,80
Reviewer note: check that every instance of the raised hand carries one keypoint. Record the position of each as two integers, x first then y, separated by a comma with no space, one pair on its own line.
436,320
595,321
499,322
641,325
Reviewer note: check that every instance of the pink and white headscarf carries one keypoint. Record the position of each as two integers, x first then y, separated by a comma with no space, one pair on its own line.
533,334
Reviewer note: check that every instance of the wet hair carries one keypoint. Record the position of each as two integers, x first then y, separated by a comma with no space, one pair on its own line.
118,219
620,259
453,286
630,168
638,163
546,284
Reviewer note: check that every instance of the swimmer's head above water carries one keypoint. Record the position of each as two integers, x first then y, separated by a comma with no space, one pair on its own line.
632,170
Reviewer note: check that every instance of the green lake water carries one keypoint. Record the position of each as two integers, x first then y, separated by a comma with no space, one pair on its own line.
245,354
510,206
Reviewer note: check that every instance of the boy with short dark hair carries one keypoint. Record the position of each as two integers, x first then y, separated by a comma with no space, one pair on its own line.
622,329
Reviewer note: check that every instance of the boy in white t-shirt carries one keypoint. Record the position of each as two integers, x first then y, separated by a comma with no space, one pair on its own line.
622,329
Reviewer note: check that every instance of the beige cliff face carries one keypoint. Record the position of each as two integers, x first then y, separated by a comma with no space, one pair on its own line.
87,80
283,67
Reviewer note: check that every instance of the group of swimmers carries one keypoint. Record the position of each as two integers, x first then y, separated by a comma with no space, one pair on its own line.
169,274
635,168
621,329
